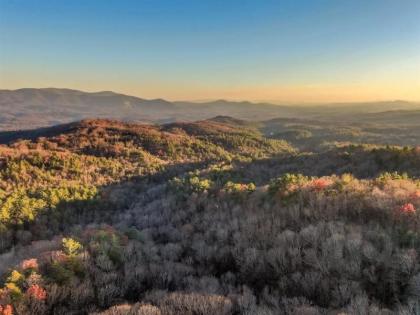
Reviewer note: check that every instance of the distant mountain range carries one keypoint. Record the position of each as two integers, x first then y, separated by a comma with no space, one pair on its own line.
31,108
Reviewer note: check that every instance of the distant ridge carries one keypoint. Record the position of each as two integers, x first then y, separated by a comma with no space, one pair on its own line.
28,108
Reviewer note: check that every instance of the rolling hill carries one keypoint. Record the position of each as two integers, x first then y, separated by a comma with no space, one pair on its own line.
217,216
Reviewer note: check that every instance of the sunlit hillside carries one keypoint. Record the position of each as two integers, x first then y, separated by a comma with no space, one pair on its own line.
209,217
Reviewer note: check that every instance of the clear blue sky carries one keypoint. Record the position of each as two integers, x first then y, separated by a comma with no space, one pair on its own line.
313,50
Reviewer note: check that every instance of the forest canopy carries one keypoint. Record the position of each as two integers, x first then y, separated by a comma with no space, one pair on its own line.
213,217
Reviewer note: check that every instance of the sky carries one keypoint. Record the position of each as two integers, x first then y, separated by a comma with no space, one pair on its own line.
296,51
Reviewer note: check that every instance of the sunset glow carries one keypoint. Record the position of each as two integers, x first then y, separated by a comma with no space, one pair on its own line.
278,51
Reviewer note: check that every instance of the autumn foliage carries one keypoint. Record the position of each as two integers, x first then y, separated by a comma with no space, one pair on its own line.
103,217
407,208
36,292
320,184
6,309
30,264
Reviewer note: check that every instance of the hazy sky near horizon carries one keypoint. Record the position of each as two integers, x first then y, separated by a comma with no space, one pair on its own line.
283,50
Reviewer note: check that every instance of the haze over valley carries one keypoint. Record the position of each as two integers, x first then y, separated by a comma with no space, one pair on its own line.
29,107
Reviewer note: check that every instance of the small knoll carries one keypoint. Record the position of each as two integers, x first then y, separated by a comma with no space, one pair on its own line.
230,120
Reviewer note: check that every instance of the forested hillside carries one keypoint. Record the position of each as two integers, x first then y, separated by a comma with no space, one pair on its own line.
220,216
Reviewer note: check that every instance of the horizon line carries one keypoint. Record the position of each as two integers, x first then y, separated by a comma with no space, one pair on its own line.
233,100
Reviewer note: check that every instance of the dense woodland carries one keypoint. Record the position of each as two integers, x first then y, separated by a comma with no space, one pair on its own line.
219,216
